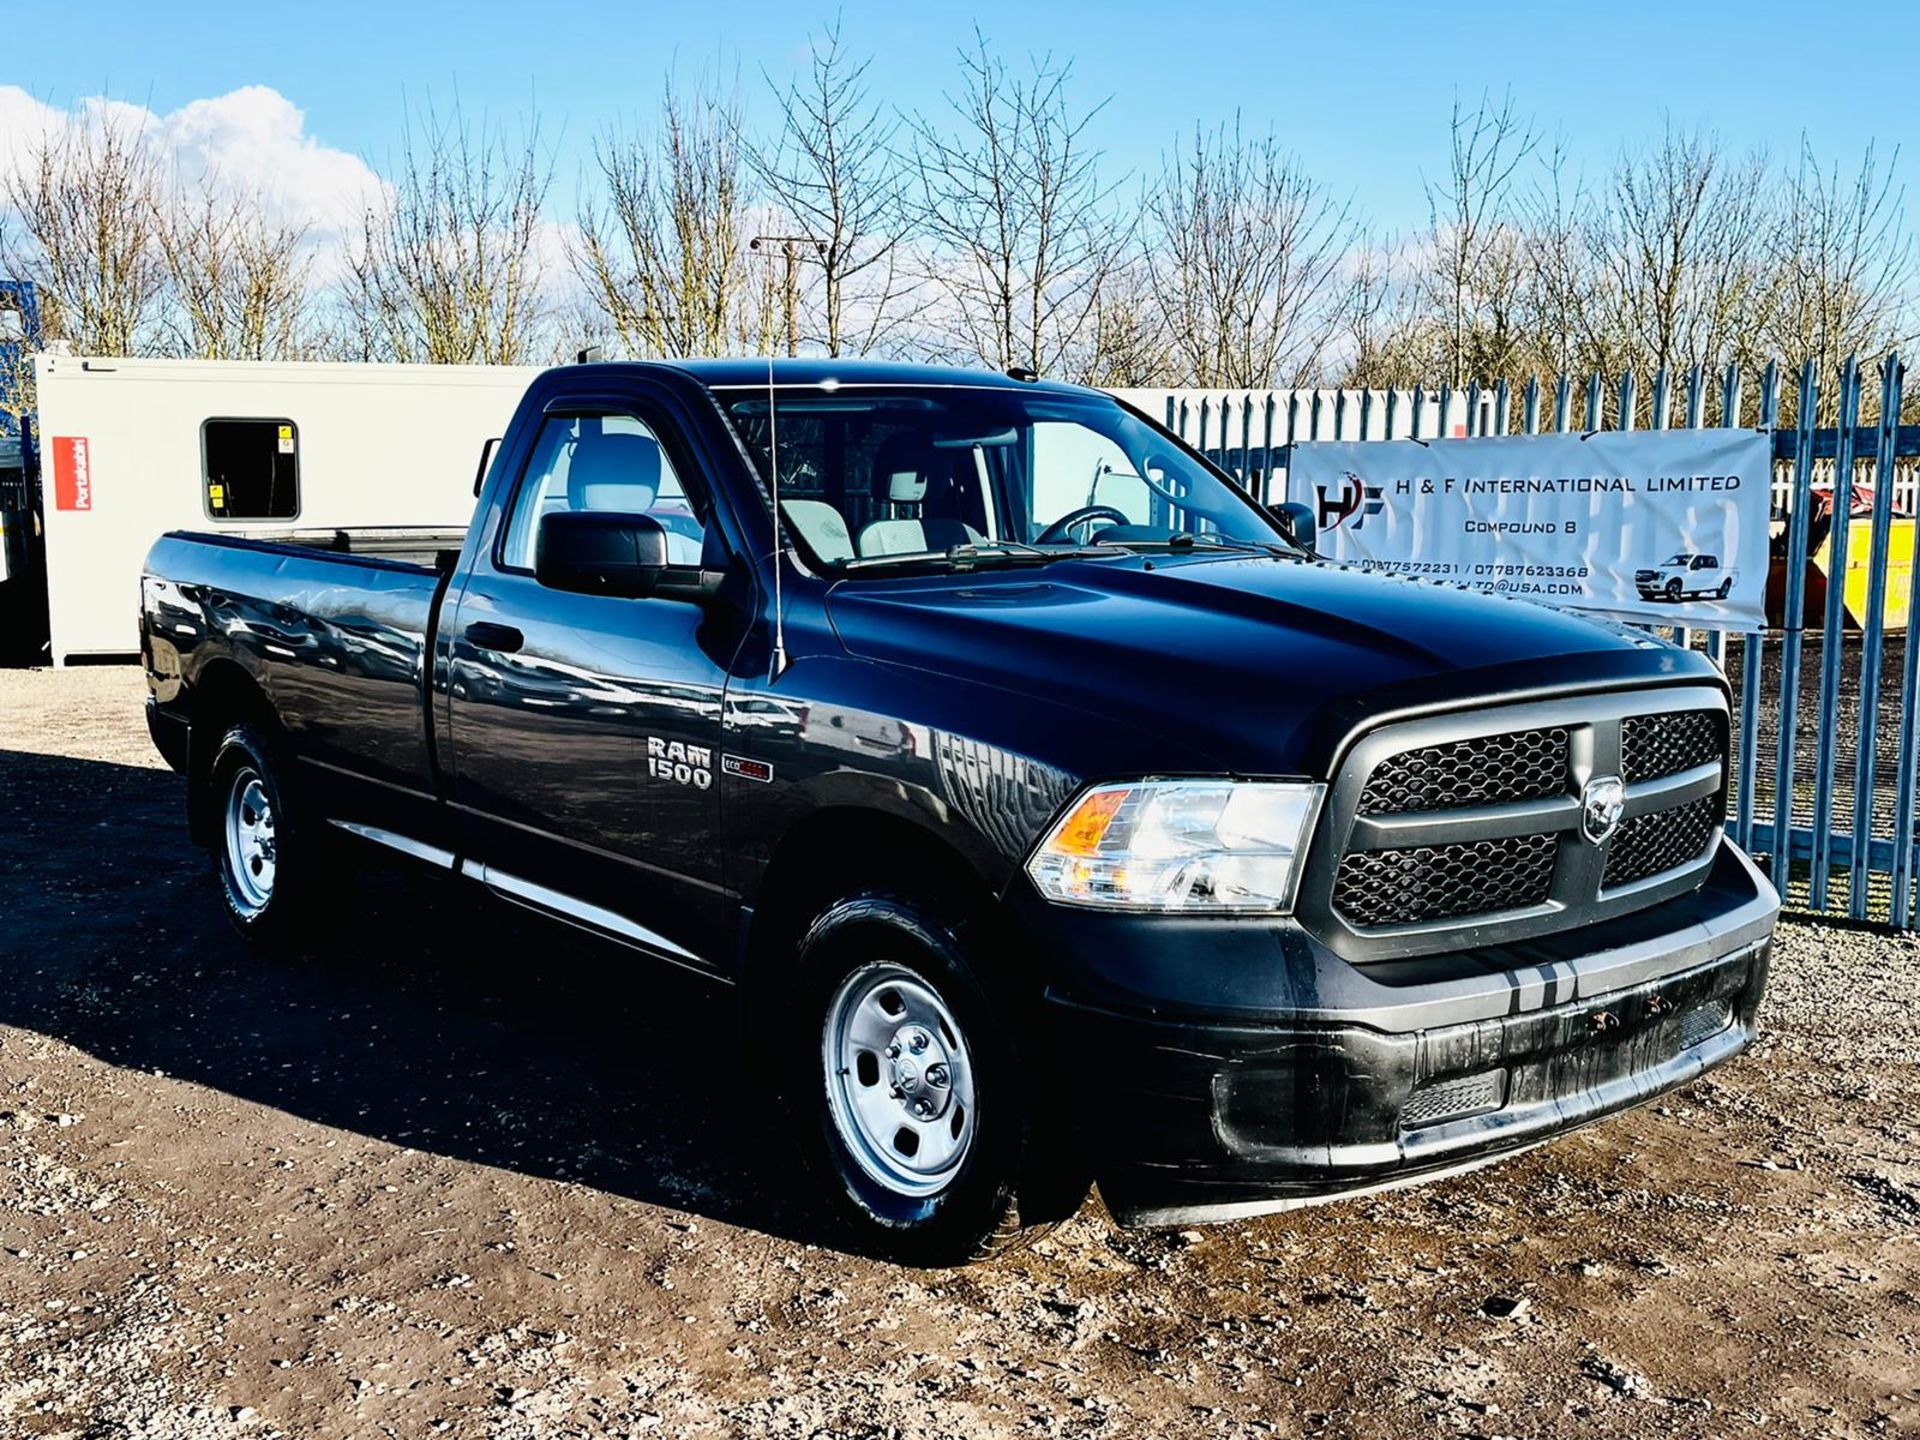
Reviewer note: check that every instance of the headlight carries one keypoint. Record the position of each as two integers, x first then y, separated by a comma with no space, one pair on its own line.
1210,846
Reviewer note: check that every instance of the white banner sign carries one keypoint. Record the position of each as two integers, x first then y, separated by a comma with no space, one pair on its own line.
1654,524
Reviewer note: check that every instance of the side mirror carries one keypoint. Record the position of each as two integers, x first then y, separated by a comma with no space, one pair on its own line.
1297,521
594,552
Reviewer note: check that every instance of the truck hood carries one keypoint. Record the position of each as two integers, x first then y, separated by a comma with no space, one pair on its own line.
1244,663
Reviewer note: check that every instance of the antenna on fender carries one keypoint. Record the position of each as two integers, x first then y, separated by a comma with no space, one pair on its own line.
779,542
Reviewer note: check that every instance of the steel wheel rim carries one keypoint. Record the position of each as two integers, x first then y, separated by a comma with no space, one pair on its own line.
251,847
900,1081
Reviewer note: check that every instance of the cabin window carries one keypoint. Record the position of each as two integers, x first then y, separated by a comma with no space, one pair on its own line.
251,469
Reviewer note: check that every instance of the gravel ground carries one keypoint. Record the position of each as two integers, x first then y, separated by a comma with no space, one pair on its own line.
454,1173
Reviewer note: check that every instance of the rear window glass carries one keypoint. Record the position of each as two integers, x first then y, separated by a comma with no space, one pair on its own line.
251,469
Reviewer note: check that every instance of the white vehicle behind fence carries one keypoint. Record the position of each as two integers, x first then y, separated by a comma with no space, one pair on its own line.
1686,576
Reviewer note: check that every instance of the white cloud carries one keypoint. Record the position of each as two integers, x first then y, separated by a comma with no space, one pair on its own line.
252,140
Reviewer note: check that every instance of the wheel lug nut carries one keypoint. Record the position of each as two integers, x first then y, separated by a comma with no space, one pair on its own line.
936,1075
922,1108
918,1041
893,1052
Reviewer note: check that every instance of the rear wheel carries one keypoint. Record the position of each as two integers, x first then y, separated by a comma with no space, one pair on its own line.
921,1129
269,868
1726,587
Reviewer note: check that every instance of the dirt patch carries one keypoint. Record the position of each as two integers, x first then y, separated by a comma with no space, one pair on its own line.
458,1174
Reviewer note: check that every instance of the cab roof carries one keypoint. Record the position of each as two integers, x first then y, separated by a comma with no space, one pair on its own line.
752,371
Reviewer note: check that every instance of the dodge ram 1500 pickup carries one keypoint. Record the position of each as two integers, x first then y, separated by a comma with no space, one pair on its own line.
1055,815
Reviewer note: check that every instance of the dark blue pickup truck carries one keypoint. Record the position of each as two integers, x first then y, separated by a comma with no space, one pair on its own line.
1057,817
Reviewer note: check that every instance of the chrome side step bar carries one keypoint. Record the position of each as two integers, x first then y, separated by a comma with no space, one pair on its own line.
539,898
578,912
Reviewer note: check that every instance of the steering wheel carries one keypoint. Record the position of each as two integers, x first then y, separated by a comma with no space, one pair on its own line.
1057,531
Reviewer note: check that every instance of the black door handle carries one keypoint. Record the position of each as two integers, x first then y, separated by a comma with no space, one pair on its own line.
486,635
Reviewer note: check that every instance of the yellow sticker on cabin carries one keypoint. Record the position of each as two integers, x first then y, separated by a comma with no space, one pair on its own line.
286,439
217,496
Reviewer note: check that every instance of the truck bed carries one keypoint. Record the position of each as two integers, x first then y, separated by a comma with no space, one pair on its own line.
408,545
335,626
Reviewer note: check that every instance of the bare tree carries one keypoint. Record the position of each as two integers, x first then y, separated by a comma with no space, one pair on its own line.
448,269
663,253
1245,254
1130,347
238,280
1388,343
1563,324
1680,249
1017,217
83,230
835,173
1475,268
1842,263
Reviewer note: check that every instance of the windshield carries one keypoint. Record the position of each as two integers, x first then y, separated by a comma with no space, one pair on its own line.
872,477
1681,559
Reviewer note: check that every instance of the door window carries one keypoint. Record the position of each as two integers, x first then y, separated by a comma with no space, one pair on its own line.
611,463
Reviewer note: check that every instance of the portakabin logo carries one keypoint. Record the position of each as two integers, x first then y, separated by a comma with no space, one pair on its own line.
72,473
1356,498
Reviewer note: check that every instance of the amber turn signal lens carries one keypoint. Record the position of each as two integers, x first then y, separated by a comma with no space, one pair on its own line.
1080,833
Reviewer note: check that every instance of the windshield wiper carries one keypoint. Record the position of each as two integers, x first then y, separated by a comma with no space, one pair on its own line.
1186,541
981,556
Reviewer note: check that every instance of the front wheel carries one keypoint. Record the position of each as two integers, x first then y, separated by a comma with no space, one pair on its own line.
920,1131
1674,591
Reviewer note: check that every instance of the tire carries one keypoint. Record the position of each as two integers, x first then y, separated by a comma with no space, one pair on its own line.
892,1012
1726,588
271,871
1674,591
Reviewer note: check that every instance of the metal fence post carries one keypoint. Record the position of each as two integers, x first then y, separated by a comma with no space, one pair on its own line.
1753,656
1833,637
1266,455
1780,862
1903,801
1865,770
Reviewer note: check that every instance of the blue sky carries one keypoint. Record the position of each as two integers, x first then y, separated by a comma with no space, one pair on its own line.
1360,91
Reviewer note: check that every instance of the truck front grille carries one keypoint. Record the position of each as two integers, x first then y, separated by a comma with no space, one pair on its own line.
1440,882
1485,770
1660,840
1656,745
1442,824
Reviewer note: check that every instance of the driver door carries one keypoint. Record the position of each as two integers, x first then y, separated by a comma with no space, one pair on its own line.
583,730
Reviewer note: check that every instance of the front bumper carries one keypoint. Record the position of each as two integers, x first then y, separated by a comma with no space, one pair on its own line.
1326,1078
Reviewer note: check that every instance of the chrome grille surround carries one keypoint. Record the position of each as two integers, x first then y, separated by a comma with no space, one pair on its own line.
1579,889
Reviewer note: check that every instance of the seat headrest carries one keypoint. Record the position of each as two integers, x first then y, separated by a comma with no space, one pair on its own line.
613,472
900,470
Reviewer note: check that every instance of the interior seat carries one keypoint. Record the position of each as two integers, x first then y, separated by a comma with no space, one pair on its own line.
902,472
620,474
821,526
